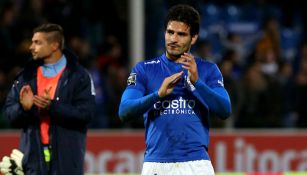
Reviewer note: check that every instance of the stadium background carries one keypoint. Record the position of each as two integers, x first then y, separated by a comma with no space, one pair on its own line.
259,45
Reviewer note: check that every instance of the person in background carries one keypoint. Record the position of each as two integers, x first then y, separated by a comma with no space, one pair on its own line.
52,101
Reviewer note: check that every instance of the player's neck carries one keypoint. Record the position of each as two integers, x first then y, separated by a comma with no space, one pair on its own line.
174,58
54,57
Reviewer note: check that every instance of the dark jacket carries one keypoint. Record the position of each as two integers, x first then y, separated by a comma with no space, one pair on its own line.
70,112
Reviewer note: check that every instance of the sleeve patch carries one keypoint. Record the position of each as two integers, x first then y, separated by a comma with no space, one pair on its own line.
131,79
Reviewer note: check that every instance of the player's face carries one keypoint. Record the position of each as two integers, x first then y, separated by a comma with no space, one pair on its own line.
178,39
41,48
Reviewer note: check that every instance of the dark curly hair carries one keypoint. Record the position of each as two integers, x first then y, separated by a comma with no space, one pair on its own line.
186,14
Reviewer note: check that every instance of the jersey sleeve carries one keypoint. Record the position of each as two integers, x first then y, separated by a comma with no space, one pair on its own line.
215,78
137,78
212,94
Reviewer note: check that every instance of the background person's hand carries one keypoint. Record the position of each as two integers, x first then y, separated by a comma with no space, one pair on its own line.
8,166
26,97
5,165
17,156
43,102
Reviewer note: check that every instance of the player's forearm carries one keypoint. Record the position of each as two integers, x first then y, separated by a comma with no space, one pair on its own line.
83,111
13,111
217,99
15,115
134,105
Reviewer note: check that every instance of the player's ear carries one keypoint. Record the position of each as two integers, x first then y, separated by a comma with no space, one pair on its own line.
55,45
194,39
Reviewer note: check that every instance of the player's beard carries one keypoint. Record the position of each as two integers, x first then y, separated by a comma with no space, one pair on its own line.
37,56
173,56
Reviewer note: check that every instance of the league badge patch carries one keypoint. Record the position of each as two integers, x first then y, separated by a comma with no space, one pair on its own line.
131,79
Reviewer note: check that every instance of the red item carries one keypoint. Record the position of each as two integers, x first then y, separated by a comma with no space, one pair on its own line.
43,84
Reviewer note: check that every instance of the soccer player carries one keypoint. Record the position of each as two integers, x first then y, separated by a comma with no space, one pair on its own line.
176,92
52,100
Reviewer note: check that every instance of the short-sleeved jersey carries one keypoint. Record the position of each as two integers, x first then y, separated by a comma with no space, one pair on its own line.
177,126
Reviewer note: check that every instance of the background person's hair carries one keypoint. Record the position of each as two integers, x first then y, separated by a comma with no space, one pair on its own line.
56,33
186,14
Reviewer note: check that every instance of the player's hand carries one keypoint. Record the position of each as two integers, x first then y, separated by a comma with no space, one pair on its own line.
26,97
169,84
43,102
188,62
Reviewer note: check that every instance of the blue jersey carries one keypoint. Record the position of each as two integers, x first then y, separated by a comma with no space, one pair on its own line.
176,126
